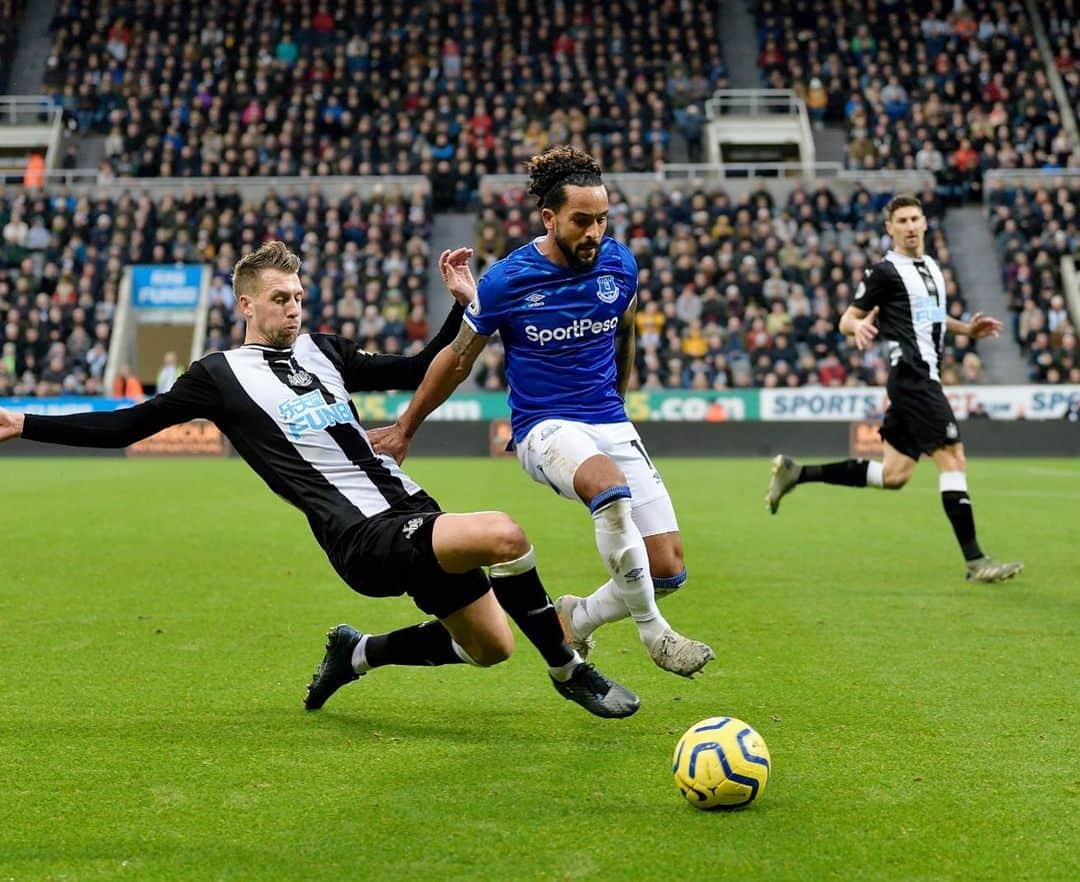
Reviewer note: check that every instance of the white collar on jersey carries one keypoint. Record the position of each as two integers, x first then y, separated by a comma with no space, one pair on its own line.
262,347
896,256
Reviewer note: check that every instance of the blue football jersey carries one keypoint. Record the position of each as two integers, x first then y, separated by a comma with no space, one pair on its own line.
558,330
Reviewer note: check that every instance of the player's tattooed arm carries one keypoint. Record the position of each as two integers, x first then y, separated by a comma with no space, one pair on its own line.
452,365
468,344
446,373
625,348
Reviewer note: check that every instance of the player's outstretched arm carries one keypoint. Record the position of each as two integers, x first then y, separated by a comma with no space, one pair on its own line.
978,327
452,365
859,324
193,396
365,372
11,425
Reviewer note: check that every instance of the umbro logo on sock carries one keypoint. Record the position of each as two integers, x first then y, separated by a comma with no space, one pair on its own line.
635,574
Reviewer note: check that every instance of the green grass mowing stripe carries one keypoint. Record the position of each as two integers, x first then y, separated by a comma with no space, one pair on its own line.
160,619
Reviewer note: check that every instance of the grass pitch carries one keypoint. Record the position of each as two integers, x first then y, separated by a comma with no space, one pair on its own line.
159,619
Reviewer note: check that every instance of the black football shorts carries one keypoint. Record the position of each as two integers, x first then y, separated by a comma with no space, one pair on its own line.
919,419
391,554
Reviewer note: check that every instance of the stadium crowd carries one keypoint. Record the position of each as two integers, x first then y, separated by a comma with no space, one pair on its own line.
1034,228
956,90
1062,22
10,13
734,292
741,292
62,260
347,87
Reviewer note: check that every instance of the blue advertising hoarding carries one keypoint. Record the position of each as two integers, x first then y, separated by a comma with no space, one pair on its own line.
166,286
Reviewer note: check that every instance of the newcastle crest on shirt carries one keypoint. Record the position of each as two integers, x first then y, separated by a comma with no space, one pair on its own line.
606,289
299,377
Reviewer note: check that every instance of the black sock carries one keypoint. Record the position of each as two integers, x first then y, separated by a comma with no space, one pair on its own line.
849,473
527,603
428,643
958,507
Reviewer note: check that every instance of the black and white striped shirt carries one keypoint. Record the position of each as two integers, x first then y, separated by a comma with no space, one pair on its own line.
911,295
289,414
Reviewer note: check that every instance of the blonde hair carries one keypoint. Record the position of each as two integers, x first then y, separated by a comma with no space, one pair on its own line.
271,255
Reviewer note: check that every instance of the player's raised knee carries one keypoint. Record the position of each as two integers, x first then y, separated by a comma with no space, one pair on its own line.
507,537
894,480
493,650
666,562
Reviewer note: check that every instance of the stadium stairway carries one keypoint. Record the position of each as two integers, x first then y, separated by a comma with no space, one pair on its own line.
91,150
449,230
830,143
978,272
33,47
739,37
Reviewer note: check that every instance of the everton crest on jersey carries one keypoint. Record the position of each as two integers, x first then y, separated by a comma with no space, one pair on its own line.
606,289
558,327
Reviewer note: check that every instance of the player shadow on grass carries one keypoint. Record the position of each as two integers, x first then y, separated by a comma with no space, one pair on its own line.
496,724
480,730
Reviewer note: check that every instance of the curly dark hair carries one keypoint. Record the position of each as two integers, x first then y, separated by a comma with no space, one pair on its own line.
552,170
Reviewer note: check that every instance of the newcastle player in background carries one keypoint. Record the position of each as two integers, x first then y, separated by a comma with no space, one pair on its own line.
905,295
283,400
563,306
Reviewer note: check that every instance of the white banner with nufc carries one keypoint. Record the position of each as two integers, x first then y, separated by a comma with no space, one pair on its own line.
813,403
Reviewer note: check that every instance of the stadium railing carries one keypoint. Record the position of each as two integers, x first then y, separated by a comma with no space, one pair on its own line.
1047,177
780,178
784,175
86,177
28,123
754,110
24,110
90,181
753,102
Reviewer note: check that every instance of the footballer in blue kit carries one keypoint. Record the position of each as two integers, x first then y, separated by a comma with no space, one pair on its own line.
563,306
557,327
